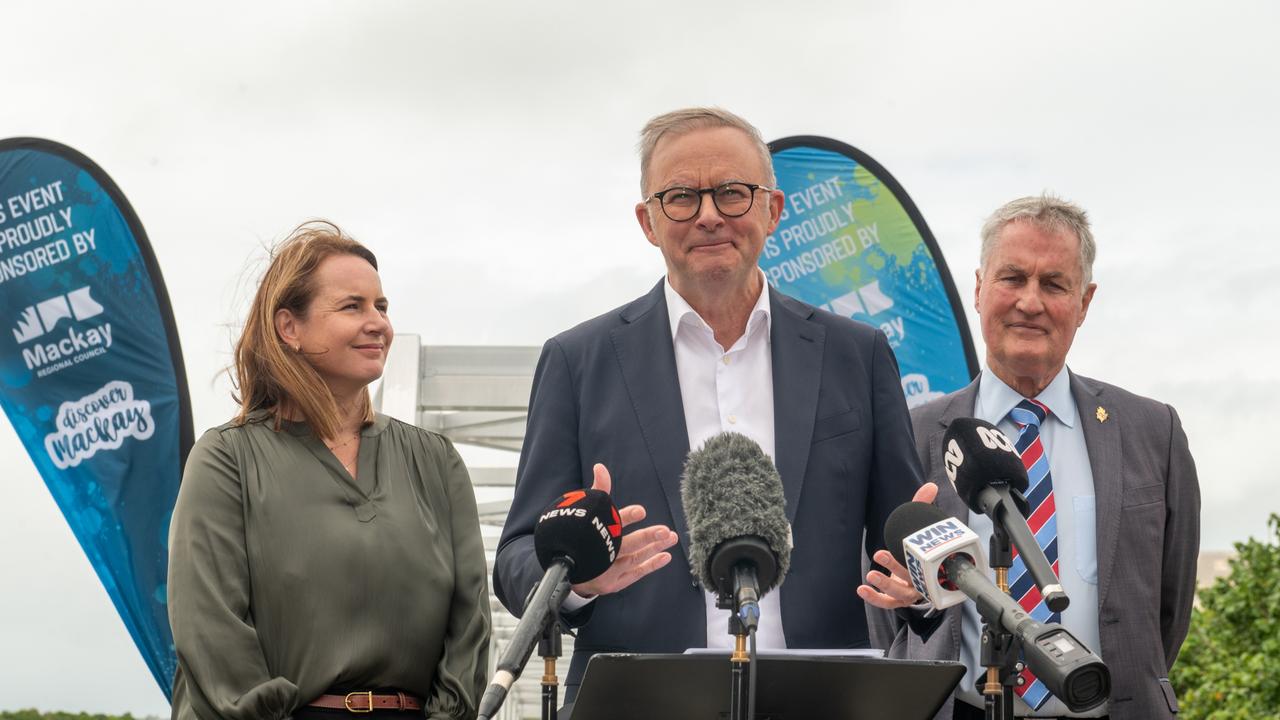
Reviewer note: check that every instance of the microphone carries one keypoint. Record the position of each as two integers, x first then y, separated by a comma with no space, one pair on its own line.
739,537
576,539
989,476
927,541
1071,671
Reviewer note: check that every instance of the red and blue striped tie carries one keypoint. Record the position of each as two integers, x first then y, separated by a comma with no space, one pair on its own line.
1044,525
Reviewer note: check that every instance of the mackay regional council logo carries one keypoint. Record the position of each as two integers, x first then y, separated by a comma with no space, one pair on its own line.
49,345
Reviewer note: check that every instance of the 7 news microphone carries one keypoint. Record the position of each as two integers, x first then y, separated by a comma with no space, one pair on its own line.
944,558
576,539
989,476
739,537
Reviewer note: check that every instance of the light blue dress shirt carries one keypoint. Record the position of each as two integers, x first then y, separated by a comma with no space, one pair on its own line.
1063,437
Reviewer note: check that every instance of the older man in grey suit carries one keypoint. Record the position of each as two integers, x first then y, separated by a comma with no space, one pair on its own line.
1122,486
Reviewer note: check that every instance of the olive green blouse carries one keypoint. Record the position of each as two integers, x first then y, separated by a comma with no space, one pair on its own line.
288,577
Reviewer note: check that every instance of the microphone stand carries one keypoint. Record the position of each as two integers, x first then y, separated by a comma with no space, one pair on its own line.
739,684
999,647
740,661
736,565
549,649
549,593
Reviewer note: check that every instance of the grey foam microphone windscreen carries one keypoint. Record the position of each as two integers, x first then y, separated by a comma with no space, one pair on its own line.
731,489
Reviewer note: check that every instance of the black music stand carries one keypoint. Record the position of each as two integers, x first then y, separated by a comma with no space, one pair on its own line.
696,687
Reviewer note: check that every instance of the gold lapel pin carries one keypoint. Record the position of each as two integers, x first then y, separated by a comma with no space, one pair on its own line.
1101,414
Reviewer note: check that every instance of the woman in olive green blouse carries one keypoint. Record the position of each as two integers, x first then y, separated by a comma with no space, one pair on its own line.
322,555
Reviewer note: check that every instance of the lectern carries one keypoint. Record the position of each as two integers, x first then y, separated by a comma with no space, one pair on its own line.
697,687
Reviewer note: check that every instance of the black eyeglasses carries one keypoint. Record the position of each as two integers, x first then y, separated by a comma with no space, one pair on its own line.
732,199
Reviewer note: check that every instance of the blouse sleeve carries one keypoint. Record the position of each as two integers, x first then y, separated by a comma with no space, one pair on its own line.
460,676
221,668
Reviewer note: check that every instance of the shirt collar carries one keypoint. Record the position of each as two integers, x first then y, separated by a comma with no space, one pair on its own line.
996,398
680,311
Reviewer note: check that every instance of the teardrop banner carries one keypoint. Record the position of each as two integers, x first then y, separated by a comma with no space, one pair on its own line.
91,374
851,241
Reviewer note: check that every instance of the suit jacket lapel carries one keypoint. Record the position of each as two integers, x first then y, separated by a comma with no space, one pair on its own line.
648,363
960,405
797,345
1107,463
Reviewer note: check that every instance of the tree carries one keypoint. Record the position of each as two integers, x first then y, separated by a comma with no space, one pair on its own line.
1229,667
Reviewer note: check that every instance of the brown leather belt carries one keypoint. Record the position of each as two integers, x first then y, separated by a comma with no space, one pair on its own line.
368,701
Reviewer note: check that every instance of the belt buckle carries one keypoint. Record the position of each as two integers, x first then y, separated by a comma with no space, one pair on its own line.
368,697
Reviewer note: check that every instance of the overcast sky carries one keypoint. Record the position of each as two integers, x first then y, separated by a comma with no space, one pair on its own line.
447,136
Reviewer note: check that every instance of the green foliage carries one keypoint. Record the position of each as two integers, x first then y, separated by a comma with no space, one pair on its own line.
1229,667
32,714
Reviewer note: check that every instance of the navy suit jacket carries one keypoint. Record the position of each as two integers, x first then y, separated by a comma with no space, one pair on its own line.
607,391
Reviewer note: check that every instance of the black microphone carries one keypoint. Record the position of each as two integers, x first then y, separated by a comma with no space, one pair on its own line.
989,476
739,537
576,539
1071,671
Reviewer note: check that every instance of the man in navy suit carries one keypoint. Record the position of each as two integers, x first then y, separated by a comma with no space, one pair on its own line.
619,401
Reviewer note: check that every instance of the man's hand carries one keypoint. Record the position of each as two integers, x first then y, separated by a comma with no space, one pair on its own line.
895,590
641,552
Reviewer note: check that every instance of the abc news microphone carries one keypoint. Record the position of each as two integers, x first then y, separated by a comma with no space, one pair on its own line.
944,559
576,539
989,476
739,537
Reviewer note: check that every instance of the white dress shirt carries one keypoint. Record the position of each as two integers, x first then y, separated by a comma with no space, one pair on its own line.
727,390
724,391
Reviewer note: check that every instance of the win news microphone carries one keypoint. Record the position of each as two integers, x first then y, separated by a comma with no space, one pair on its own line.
576,539
1068,669
739,537
927,539
989,476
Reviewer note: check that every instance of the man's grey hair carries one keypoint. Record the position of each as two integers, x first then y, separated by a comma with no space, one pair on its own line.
679,122
1049,214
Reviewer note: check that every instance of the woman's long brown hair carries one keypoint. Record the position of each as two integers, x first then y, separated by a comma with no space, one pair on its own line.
268,375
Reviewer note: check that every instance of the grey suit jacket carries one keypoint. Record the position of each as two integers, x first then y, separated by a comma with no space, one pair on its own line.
1148,525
